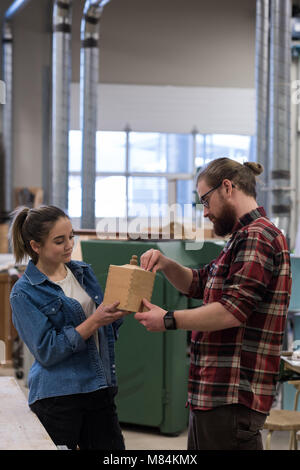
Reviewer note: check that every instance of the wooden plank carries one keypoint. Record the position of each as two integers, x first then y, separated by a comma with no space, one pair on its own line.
7,330
20,429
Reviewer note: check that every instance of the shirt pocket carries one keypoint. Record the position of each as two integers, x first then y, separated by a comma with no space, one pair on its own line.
52,308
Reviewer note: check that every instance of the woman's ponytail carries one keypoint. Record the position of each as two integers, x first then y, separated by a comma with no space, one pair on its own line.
15,233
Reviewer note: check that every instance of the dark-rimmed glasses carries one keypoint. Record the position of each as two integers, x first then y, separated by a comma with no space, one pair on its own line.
202,199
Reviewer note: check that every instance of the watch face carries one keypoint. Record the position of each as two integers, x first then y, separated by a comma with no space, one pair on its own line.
169,321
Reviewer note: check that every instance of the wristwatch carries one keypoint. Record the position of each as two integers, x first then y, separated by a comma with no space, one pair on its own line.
169,321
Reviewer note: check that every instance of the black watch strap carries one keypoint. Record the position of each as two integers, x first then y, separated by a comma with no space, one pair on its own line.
169,321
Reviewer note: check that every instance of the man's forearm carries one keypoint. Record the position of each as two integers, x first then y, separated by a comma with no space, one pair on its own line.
180,276
211,317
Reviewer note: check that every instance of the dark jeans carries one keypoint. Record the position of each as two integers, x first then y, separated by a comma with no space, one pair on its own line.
86,420
229,427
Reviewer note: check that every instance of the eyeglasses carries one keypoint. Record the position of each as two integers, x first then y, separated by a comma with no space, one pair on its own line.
202,199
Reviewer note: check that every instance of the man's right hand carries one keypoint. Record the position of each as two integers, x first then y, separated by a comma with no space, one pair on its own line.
180,276
153,260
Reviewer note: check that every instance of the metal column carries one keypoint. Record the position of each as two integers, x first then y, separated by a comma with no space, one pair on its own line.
6,175
89,73
279,110
61,82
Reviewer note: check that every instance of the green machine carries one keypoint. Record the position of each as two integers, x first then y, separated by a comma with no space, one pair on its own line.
152,368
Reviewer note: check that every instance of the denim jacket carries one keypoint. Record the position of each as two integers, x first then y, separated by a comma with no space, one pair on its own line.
45,319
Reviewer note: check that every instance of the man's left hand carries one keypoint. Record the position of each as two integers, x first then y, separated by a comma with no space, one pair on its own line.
153,320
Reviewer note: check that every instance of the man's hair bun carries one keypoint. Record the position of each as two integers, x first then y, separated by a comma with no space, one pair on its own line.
257,168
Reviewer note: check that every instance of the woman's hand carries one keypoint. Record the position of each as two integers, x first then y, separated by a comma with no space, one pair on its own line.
106,314
103,315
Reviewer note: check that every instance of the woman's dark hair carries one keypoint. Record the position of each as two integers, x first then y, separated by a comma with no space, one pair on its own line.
31,224
242,175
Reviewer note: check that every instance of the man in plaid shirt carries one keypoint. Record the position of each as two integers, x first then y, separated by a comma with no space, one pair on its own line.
237,334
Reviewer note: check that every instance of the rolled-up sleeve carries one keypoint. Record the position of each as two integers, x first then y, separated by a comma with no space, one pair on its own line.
198,283
249,276
48,344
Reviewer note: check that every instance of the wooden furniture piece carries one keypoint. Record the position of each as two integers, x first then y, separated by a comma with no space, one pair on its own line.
286,420
283,420
129,284
20,429
31,196
7,330
4,228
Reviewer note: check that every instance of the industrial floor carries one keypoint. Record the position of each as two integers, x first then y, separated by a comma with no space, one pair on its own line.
143,438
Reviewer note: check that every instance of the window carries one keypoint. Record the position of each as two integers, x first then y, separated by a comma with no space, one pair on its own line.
74,195
111,152
144,192
74,173
136,170
209,147
162,153
110,196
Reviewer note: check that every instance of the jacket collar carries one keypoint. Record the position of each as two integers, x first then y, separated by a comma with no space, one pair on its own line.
35,276
249,217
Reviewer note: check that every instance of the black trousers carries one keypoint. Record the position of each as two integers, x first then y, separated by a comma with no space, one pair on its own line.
229,427
85,421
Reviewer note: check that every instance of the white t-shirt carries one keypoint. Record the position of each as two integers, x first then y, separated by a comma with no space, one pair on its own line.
73,289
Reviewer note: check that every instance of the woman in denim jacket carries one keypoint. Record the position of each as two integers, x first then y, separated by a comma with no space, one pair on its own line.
57,311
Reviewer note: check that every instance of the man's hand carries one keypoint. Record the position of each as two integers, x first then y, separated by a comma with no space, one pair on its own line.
153,260
153,319
180,276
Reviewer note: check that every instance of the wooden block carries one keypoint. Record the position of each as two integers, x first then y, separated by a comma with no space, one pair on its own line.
129,284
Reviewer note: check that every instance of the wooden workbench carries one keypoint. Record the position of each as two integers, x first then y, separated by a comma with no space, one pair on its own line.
289,363
20,429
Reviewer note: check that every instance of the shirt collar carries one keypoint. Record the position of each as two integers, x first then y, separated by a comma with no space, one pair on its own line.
246,219
35,276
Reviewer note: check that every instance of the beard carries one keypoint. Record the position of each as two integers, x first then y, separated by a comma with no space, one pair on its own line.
223,225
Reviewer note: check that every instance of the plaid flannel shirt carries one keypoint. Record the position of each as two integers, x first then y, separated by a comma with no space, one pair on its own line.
251,278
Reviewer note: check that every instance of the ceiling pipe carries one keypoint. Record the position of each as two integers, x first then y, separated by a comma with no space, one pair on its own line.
6,153
262,98
89,78
279,113
61,84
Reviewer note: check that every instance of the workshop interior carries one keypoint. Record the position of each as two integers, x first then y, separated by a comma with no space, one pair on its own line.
108,109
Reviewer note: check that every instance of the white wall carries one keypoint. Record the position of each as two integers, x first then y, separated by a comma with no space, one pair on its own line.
171,109
174,42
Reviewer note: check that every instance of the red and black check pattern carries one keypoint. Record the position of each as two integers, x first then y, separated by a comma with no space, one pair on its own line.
251,278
